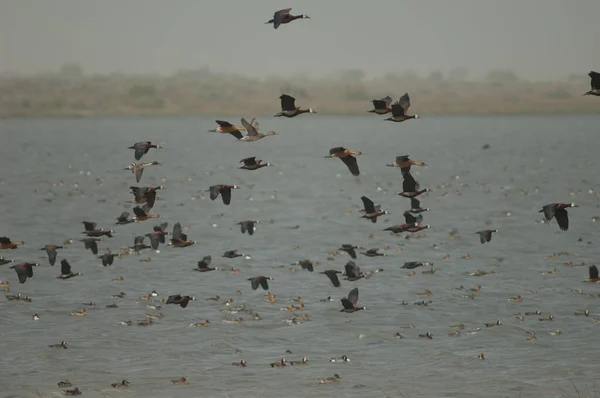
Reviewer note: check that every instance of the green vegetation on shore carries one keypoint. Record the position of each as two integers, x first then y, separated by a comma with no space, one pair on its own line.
70,92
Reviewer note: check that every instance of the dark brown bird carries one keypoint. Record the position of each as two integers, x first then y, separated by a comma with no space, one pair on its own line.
90,230
260,281
51,252
400,108
382,106
6,243
349,303
108,258
307,264
179,239
142,213
138,244
124,219
142,148
373,253
248,226
371,212
558,211
353,272
24,271
157,236
288,107
410,187
595,83
486,235
332,275
284,17
593,271
223,190
404,163
232,254
253,164
143,195
90,243
346,156
181,300
65,270
349,249
415,206
204,264
228,128
4,261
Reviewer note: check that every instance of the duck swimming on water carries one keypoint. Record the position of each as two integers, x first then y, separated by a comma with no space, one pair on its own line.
284,17
289,109
346,156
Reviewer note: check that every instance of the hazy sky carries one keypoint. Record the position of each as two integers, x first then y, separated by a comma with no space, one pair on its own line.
547,38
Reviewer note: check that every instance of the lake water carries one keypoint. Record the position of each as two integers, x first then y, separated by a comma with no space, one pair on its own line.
60,172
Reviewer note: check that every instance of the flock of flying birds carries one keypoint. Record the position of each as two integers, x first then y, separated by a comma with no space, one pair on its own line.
144,199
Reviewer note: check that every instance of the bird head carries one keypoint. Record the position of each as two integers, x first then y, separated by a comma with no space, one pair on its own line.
311,110
417,116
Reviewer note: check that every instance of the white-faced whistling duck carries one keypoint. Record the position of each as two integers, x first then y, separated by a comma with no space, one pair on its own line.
412,220
159,231
5,243
181,300
108,258
62,344
486,235
371,212
252,130
382,106
138,168
90,243
141,213
75,391
593,270
353,272
418,228
232,254
4,261
404,162
124,219
349,249
558,211
283,17
415,206
24,271
51,252
349,303
223,190
180,239
142,148
204,264
228,128
595,83
332,275
145,194
124,383
343,358
288,107
241,363
248,226
138,244
90,230
410,187
400,108
328,380
396,229
303,361
346,156
260,280
253,164
372,253
414,264
65,270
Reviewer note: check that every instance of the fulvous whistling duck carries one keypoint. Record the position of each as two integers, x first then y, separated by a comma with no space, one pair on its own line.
123,383
24,271
371,213
62,344
593,270
228,128
400,108
307,264
558,211
108,258
288,107
65,270
138,168
415,206
349,303
373,253
328,380
204,265
260,280
481,357
595,83
404,163
252,130
5,243
124,219
253,164
223,190
332,275
410,187
90,230
241,363
142,148
51,251
349,249
486,235
346,156
284,17
183,380
145,194
382,106
181,300
180,239
141,213
79,313
248,225
203,323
